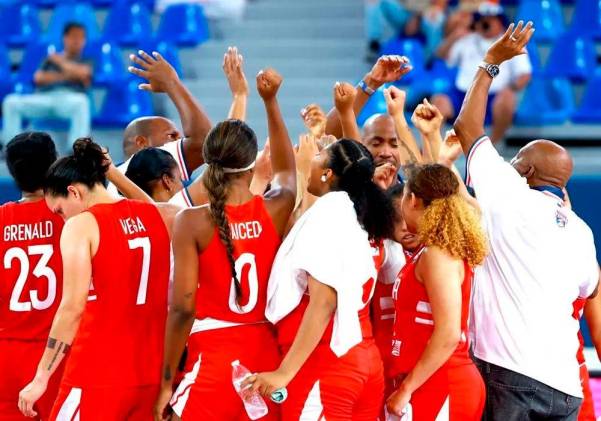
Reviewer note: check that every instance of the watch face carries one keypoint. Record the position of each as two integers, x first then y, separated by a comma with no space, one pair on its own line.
493,70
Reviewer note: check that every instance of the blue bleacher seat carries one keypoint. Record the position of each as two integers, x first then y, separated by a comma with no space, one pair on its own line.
375,105
80,12
534,56
547,17
20,24
103,3
546,101
123,103
128,23
167,50
411,48
184,25
6,85
590,107
573,56
587,18
108,62
34,55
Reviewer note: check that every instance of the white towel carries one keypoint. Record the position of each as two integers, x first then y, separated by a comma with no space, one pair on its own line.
328,243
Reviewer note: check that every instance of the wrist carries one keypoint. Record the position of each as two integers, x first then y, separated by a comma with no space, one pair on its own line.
371,82
490,59
41,378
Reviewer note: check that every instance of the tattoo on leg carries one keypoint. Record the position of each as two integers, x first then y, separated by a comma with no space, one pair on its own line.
167,373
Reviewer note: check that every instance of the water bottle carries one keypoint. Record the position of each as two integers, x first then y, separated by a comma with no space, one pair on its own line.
253,402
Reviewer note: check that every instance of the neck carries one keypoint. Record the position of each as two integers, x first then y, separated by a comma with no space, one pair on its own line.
32,196
99,195
238,192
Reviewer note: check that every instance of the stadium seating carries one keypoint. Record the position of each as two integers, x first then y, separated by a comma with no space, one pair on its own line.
108,62
123,103
411,48
80,12
534,56
546,15
20,24
573,56
587,18
589,110
128,23
184,25
34,55
546,101
165,49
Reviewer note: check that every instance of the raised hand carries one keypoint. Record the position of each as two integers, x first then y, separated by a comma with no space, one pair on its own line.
511,44
325,141
307,149
450,149
385,175
268,83
315,119
395,101
388,69
160,74
234,72
344,96
427,118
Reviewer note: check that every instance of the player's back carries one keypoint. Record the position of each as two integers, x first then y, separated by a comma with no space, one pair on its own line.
31,273
120,337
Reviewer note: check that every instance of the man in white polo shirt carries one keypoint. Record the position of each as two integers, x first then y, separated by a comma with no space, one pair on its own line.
542,257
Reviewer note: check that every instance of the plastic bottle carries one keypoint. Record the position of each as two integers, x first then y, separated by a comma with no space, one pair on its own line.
253,402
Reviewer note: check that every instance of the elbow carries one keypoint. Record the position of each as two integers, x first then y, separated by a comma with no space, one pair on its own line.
459,126
450,339
182,314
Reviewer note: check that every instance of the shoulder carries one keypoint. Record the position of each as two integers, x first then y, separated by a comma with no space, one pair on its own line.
279,197
83,226
434,260
195,221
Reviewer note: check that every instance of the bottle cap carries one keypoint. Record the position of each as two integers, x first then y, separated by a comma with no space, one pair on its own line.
279,396
235,363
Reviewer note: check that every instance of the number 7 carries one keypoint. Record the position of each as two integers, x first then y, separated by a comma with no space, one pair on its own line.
144,243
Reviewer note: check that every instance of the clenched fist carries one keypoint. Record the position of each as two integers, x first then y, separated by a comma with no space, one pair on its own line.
268,83
344,96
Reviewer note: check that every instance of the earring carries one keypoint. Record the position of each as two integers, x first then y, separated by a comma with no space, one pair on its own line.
323,178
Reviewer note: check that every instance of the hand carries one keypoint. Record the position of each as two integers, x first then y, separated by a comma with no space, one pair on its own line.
268,83
307,149
395,101
263,163
385,175
160,74
511,44
344,96
29,395
162,410
427,118
450,149
387,69
398,401
315,119
325,141
266,383
232,67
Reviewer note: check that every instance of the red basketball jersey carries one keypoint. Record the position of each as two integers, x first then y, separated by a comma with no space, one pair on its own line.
577,314
120,337
32,272
256,242
413,324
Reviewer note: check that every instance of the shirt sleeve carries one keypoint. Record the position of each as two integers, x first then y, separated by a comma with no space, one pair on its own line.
490,176
176,149
591,268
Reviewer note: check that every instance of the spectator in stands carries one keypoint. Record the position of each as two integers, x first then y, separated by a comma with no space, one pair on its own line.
542,258
465,52
61,89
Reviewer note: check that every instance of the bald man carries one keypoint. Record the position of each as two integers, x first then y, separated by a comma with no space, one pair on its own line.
144,132
542,258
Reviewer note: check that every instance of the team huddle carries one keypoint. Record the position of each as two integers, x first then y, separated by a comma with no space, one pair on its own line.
344,289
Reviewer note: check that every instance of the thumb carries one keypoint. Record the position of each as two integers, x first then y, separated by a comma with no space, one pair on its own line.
387,95
144,87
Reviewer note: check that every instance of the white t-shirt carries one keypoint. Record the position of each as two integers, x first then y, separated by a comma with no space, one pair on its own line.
468,52
542,257
175,148
182,199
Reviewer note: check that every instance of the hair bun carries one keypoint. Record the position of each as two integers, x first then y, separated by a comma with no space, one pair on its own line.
90,157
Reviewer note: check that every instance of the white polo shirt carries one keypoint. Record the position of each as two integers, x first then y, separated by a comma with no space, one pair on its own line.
467,53
542,257
175,148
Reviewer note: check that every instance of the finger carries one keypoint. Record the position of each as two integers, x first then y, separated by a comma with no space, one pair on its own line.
508,32
517,29
157,56
145,87
146,56
527,39
139,61
138,72
387,95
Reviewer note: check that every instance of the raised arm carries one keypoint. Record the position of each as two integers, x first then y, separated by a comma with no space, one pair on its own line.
427,119
234,72
344,98
283,166
76,249
469,125
127,187
395,104
387,69
162,77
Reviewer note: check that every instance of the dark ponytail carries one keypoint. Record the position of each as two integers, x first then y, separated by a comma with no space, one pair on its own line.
86,165
148,166
230,144
354,167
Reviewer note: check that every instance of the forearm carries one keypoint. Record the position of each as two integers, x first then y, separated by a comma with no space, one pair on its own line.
127,187
350,130
410,152
238,107
282,154
469,125
434,141
177,331
258,185
43,78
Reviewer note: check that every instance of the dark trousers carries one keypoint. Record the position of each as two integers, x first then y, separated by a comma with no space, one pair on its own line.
511,396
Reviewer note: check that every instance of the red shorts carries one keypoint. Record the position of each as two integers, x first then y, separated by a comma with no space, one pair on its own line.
453,392
18,364
587,410
134,403
206,392
347,388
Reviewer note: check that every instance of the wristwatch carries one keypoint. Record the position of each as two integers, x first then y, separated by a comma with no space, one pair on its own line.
365,88
491,69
